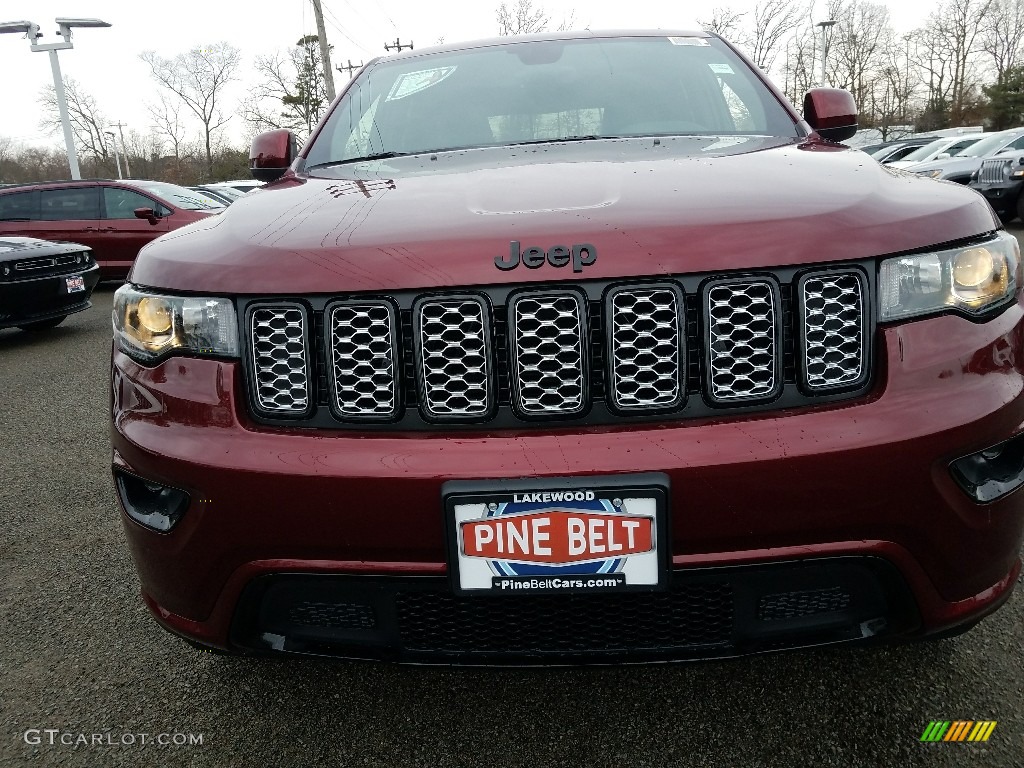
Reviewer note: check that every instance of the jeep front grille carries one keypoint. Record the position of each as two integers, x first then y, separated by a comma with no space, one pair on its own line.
279,359
506,356
454,365
645,339
363,357
547,337
743,349
994,171
833,329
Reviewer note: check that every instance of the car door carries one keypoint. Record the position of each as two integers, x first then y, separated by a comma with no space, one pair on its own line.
123,232
70,213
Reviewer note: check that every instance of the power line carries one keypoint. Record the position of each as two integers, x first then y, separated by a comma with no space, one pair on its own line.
397,45
333,21
381,9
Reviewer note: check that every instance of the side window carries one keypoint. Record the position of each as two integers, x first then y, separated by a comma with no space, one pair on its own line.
17,206
121,203
1017,144
73,203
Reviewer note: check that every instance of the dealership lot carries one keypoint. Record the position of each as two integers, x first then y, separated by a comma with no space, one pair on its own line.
82,662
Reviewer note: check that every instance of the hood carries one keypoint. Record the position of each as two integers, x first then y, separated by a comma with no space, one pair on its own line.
646,206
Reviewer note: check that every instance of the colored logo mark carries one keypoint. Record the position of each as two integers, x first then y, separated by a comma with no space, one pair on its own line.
958,730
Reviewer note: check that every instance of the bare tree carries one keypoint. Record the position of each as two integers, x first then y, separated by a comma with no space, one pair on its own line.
774,21
198,78
521,19
729,24
87,121
168,129
1002,35
858,50
961,21
292,93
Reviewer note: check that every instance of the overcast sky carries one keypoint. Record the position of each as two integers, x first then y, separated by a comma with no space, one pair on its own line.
106,61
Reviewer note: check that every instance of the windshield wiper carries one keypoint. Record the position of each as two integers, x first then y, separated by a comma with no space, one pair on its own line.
366,158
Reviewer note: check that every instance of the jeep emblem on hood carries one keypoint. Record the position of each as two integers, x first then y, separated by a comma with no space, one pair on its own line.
581,254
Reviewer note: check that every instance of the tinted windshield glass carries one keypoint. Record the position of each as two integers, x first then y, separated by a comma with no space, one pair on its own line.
550,91
182,197
985,146
922,153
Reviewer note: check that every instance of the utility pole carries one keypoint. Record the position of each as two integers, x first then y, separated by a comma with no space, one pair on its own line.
117,158
350,68
120,130
397,45
325,50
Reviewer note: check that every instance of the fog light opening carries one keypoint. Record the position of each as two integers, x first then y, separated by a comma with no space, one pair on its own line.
990,474
149,503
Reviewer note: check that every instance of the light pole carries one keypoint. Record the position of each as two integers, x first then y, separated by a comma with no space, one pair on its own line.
117,157
824,44
32,34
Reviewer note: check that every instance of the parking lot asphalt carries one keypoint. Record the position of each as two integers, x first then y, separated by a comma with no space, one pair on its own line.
81,661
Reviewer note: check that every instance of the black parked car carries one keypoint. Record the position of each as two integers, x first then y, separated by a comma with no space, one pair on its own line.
42,282
1001,180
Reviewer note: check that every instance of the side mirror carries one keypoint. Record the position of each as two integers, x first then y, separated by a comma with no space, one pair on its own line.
147,213
271,154
943,156
831,112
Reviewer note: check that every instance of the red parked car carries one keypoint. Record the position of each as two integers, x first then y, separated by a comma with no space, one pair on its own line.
113,218
576,347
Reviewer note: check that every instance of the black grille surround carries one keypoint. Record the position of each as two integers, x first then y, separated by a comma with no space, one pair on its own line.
704,613
694,399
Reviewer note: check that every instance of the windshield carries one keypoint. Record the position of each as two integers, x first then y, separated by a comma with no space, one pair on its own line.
984,147
545,91
182,197
925,152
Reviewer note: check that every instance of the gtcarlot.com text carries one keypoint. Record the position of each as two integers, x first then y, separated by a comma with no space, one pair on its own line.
54,737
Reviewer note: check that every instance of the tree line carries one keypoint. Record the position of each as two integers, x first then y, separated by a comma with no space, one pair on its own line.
963,66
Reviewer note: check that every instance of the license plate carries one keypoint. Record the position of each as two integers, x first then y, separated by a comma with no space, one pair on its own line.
558,536
76,283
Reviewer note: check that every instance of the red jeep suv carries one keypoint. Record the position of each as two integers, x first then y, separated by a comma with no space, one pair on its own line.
576,347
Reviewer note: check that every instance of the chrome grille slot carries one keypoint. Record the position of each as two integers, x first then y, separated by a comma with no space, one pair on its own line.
280,364
453,349
832,309
994,171
363,352
645,347
743,340
31,264
548,334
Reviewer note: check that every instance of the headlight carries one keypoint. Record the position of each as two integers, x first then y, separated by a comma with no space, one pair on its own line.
148,326
931,174
972,279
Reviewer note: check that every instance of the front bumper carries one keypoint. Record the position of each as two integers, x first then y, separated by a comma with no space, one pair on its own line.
1002,197
866,479
42,298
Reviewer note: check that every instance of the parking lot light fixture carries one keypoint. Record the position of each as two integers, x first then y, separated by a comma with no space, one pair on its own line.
32,34
824,45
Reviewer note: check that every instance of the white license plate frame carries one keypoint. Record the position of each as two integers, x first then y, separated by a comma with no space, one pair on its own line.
551,533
